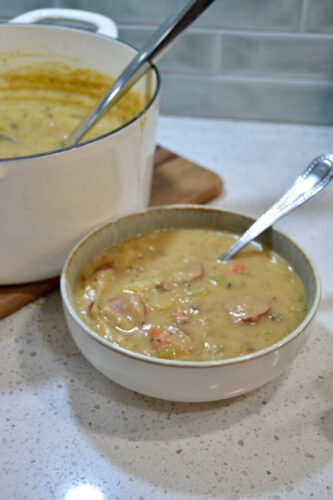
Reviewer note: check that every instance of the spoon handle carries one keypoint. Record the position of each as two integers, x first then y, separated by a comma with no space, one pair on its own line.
318,174
167,33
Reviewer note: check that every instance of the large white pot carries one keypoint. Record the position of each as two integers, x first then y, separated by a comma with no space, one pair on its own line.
48,201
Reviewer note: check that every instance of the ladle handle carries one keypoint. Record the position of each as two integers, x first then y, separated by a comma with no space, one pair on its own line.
167,33
314,179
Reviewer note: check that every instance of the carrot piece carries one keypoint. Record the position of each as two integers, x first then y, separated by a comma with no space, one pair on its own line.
180,316
237,268
162,287
155,331
99,259
165,342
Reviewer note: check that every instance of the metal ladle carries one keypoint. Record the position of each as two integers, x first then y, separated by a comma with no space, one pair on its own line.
7,137
151,52
318,174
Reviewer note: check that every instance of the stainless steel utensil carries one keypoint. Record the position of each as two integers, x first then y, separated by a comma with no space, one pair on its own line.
312,181
167,33
7,137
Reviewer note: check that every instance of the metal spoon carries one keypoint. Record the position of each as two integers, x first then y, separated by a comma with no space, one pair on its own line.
318,174
151,52
7,137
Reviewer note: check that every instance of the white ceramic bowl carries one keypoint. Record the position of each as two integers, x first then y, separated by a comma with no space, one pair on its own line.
186,380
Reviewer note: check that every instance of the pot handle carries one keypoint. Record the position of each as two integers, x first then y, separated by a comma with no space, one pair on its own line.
104,25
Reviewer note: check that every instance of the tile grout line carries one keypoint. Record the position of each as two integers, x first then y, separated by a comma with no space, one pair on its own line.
249,78
219,61
303,14
238,32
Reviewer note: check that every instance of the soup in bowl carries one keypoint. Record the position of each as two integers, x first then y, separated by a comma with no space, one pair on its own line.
150,307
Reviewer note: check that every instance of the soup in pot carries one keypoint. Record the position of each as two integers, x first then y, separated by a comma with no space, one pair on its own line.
164,294
41,104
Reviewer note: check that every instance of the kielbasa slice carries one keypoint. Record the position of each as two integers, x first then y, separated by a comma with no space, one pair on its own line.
126,311
190,272
247,309
105,266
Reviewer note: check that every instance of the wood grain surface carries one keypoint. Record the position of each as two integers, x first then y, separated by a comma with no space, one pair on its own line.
175,180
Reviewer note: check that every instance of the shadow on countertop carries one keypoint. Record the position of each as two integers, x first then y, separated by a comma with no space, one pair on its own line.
268,440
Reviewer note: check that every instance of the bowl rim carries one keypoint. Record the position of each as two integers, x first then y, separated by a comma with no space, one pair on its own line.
152,99
64,289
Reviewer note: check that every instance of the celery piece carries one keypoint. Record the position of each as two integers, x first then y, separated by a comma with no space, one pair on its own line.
165,352
275,316
162,305
217,280
198,292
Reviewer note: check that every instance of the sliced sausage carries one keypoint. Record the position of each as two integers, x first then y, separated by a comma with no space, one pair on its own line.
180,317
106,265
126,311
161,286
247,309
190,272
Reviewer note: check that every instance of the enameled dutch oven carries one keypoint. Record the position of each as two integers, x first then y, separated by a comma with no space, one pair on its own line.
49,200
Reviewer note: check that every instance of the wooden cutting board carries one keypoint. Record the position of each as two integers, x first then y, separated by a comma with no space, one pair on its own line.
175,180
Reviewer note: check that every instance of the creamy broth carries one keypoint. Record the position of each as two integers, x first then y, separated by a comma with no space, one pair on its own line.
41,105
164,294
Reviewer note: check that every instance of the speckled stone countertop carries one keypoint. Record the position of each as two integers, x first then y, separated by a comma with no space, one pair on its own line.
69,433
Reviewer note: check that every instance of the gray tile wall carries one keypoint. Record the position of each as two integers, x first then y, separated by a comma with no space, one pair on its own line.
248,59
